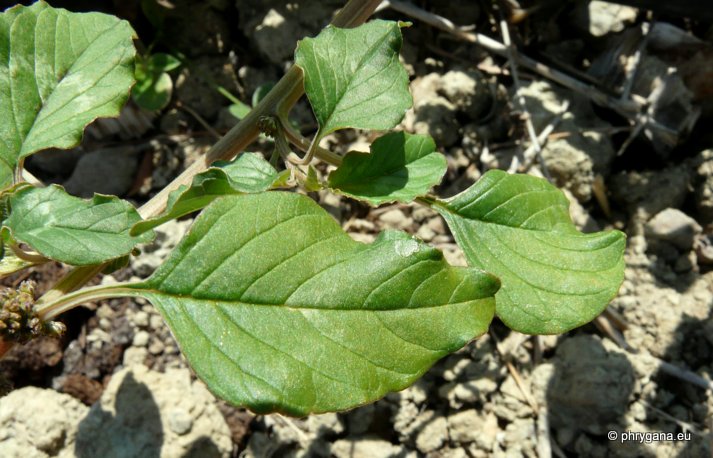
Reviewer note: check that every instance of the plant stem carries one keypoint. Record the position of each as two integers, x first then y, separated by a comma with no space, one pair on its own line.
49,310
279,100
5,347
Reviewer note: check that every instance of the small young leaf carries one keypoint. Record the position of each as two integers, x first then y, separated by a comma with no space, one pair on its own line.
58,72
277,309
152,91
353,77
248,173
72,230
400,168
518,227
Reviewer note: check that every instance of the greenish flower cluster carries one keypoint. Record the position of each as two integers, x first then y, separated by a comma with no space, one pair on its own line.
18,319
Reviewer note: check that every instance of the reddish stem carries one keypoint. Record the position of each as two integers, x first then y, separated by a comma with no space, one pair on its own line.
5,347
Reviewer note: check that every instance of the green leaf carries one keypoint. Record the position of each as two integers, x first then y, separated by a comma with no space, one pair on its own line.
154,87
277,309
152,92
162,62
58,72
239,110
261,92
400,168
353,77
248,173
518,227
72,230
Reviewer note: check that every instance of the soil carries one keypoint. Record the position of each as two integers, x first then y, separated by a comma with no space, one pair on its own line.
645,367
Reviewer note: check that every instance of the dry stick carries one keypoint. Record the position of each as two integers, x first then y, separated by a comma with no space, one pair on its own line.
520,99
628,108
531,153
279,100
634,67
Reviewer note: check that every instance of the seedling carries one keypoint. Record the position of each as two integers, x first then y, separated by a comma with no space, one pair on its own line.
274,306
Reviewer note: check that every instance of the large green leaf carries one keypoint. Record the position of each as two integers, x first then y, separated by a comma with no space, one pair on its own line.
248,173
353,77
72,230
400,168
277,309
58,72
518,227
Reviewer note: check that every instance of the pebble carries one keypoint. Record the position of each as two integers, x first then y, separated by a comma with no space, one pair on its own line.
179,421
156,322
156,347
141,319
134,356
141,339
673,226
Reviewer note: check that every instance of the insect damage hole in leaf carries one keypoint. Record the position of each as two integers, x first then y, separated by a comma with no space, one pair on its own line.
353,77
518,227
276,308
58,72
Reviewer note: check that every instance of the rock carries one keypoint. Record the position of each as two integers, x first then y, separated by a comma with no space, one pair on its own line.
197,29
433,114
275,26
646,193
433,435
109,171
704,185
167,237
366,447
600,18
393,218
141,339
574,160
59,162
587,387
467,91
675,227
195,86
147,413
465,426
38,422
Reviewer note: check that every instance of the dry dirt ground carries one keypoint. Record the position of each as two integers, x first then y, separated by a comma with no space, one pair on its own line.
116,384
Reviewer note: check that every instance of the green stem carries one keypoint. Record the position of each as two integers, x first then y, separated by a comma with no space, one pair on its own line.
48,310
279,100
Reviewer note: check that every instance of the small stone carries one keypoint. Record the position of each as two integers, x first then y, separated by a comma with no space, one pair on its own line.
366,447
141,339
673,226
425,233
179,421
465,426
156,322
141,319
109,171
433,435
156,347
601,18
134,356
392,217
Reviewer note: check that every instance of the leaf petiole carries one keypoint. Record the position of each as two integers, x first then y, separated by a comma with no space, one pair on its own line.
48,310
